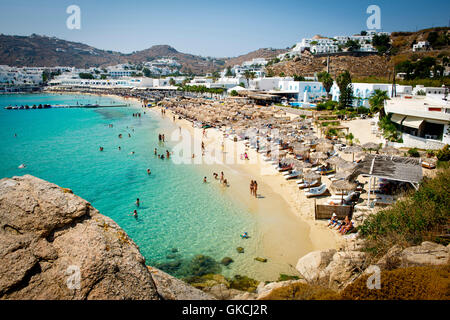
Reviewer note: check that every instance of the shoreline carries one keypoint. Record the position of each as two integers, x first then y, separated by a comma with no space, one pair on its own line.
284,217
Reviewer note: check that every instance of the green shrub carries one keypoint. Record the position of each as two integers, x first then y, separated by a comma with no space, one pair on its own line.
414,153
420,216
443,154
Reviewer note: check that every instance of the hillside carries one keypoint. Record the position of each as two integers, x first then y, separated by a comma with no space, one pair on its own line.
42,51
379,66
190,63
267,53
358,66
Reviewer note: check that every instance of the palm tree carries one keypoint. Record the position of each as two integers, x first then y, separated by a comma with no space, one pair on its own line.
327,82
377,100
249,75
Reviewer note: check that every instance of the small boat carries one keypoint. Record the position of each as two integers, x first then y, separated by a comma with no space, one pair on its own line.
22,166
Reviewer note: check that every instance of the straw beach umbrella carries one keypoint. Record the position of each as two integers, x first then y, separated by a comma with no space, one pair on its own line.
371,146
324,147
311,176
343,185
390,150
353,149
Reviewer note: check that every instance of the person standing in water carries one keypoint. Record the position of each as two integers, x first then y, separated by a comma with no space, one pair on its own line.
135,214
137,202
204,180
149,172
156,151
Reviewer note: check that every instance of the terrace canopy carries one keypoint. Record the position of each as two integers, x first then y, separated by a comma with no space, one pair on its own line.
394,168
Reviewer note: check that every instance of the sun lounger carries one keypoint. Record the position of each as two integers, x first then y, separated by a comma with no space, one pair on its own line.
293,175
317,192
306,185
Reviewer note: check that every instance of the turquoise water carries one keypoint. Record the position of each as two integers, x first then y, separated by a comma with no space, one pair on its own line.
177,210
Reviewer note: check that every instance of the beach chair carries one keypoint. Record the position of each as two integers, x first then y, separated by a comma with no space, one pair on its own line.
306,185
293,175
317,192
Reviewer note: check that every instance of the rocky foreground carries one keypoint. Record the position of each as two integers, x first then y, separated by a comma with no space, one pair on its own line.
55,245
49,236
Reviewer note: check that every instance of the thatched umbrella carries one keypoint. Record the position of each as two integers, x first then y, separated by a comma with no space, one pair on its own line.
343,185
371,146
318,156
342,175
390,150
353,149
311,176
324,147
346,165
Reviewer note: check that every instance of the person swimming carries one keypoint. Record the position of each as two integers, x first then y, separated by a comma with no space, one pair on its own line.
120,148
149,172
101,148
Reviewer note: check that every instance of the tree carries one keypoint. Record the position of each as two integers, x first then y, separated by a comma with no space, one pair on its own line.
327,82
234,93
228,73
249,75
381,42
377,100
146,72
298,78
172,81
364,33
352,45
84,75
344,82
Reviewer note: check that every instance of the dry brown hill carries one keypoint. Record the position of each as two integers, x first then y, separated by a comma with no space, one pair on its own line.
267,53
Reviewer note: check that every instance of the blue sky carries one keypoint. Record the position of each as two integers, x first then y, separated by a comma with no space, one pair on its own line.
212,28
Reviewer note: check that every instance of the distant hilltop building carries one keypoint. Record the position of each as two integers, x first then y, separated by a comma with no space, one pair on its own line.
323,45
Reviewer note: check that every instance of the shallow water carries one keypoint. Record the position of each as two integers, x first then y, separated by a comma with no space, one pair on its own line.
177,210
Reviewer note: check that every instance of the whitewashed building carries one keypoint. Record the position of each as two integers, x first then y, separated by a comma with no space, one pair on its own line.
423,121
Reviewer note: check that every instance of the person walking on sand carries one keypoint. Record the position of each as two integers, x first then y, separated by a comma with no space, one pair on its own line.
163,140
251,187
255,189
221,176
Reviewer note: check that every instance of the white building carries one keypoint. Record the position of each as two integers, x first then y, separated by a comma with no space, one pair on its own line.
423,121
267,84
363,91
421,45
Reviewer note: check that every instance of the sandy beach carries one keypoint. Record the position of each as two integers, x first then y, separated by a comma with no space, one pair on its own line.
287,229
285,216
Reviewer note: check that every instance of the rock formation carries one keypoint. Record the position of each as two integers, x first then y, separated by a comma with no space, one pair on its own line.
55,245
